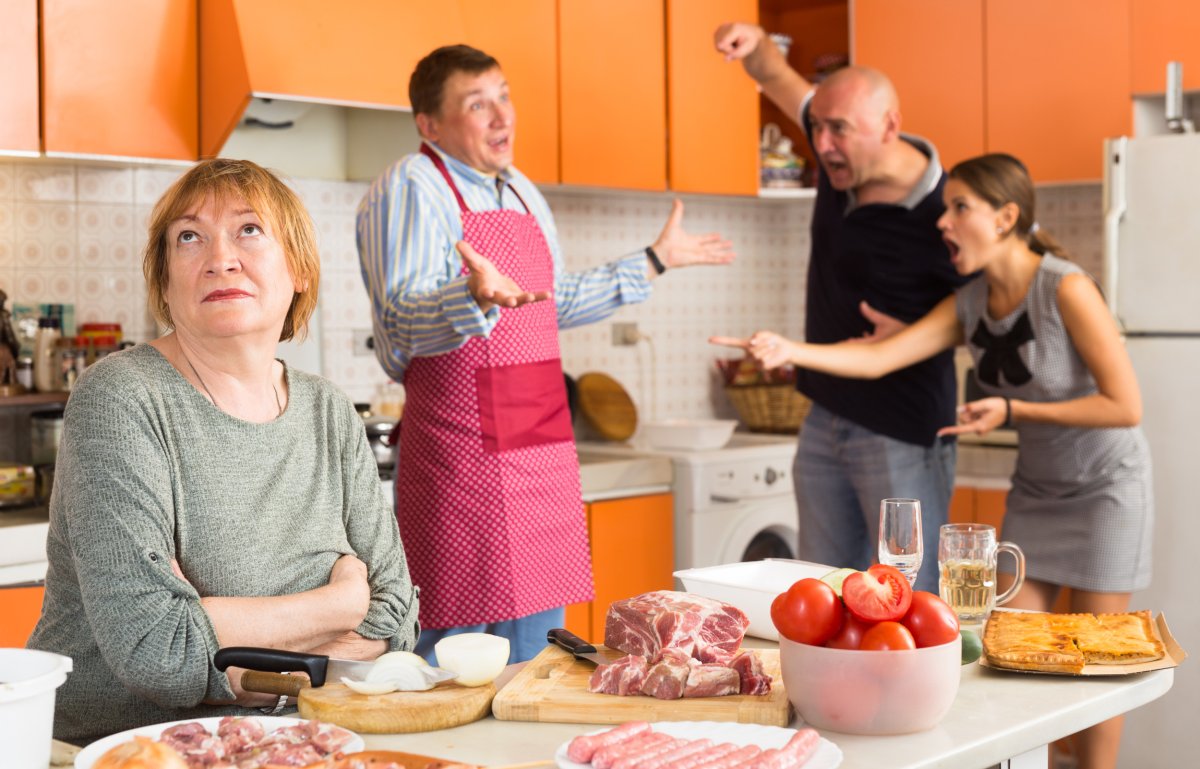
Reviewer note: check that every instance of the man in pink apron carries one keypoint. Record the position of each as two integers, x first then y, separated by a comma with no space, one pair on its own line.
460,256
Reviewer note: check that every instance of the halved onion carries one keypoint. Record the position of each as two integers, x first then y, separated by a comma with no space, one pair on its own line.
394,672
478,658
409,658
369,687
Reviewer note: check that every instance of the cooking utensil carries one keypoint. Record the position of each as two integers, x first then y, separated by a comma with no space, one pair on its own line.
576,645
263,665
607,407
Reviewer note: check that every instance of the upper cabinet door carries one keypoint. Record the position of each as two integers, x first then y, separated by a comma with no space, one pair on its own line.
1058,83
613,108
528,53
712,104
933,52
350,54
1164,31
19,128
120,79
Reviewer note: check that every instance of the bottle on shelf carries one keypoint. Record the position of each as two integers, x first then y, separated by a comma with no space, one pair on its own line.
47,371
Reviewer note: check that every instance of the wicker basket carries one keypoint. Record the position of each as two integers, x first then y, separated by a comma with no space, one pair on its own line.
769,408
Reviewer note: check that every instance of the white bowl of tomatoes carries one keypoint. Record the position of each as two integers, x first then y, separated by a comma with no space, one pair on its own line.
877,659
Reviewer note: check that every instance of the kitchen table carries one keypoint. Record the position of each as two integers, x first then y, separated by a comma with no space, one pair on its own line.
998,717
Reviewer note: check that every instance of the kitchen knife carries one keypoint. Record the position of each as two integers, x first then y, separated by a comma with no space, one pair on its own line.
262,664
576,645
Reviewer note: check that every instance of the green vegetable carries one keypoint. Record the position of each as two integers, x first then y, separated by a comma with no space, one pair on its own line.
972,647
835,579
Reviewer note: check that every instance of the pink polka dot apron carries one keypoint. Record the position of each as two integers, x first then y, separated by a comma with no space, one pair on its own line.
487,487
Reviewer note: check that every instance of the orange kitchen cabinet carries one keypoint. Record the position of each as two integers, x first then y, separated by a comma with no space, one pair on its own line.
120,80
20,608
528,53
934,54
632,553
1058,83
712,106
962,505
1162,31
19,129
612,91
359,53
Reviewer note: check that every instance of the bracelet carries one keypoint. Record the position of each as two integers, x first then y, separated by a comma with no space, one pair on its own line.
277,708
659,267
1007,413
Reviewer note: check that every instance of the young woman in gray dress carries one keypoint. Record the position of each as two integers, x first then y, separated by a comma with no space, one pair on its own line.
1049,355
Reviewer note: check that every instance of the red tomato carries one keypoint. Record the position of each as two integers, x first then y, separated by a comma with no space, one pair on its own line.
930,620
808,613
850,636
888,636
881,593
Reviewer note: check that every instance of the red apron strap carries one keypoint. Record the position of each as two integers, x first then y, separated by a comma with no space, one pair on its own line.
440,165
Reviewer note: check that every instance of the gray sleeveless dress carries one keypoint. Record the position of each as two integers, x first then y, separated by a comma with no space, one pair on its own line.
1081,505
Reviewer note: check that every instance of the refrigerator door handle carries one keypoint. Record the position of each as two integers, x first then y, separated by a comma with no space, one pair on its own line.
1115,206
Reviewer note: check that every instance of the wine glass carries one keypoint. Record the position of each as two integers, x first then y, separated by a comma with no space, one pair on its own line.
900,542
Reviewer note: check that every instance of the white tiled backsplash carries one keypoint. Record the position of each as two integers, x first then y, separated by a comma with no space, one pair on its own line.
73,233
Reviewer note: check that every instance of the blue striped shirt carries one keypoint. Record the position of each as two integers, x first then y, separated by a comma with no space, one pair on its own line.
408,223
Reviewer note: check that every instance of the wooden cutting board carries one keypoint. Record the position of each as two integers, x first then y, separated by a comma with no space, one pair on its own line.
606,406
441,707
553,687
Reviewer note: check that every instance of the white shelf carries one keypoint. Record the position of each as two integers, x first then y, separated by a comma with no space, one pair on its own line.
792,193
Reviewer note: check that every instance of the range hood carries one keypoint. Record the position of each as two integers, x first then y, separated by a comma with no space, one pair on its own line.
311,88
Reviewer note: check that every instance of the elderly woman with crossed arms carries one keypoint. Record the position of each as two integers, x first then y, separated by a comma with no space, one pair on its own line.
207,494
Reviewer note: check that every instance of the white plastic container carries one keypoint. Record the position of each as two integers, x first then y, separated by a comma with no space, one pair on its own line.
693,434
28,680
750,586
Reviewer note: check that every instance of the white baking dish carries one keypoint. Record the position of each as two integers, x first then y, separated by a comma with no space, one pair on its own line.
750,586
689,434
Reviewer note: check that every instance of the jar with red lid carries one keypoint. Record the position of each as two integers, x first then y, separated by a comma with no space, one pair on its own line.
91,330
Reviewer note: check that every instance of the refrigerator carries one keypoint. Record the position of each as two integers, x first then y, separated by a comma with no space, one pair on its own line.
1152,284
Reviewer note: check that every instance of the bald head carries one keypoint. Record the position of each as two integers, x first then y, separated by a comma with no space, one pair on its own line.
863,87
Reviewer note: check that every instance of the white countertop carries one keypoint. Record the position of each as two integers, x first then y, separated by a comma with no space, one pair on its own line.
996,715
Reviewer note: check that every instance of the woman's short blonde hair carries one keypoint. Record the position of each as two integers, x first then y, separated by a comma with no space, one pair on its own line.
222,181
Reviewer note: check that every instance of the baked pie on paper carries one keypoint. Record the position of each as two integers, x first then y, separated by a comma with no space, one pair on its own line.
1064,643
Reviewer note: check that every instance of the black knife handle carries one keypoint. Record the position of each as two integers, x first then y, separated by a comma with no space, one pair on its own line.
273,661
569,641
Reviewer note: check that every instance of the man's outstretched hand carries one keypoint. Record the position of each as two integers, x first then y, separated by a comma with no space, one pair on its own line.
489,286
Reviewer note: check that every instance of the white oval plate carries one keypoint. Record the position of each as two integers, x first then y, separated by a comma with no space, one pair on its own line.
92,753
826,756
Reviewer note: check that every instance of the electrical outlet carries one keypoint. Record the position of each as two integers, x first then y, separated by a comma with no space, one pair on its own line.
624,334
364,343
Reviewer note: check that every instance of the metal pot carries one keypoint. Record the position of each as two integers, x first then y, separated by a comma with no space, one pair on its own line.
379,435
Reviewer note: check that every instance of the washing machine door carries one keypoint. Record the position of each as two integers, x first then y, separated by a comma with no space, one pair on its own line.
744,530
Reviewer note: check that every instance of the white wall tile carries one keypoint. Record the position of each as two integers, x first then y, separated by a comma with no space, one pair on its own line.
8,180
45,181
8,232
98,184
46,236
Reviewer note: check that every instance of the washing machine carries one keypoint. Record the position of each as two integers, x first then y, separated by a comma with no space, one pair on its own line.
735,503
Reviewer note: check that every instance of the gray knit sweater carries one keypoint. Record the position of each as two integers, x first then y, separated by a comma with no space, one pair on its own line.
150,470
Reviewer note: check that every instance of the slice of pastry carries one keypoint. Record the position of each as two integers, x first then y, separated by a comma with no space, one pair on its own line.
1022,641
1121,639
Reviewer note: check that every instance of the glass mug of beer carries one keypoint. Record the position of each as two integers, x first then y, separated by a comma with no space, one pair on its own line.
967,554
